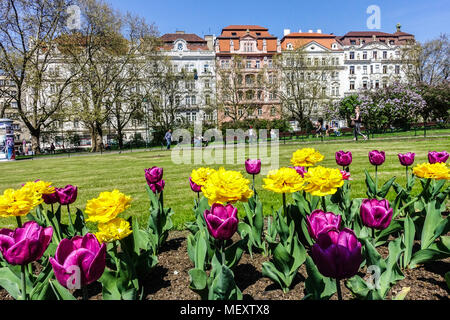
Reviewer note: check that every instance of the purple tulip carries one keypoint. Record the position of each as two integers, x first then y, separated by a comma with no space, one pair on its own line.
438,157
344,159
406,159
253,166
157,187
377,158
222,222
300,170
337,254
195,187
153,175
376,214
67,195
319,222
83,256
50,198
26,244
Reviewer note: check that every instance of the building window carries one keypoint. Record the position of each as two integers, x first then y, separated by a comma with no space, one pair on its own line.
207,84
375,54
208,99
188,100
364,84
377,84
206,68
270,63
258,64
384,69
385,55
316,61
364,55
352,85
371,69
352,69
260,111
397,69
193,100
352,42
364,69
352,55
249,64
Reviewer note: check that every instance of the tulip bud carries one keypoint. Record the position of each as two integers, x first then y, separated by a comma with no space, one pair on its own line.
406,159
377,158
153,175
319,222
67,195
346,175
26,244
337,254
222,222
376,214
81,260
300,170
195,187
157,187
253,166
438,157
50,198
344,159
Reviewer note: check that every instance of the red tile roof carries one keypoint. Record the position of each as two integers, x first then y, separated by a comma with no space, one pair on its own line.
188,37
245,27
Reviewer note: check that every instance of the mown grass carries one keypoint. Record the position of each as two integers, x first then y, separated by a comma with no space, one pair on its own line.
94,174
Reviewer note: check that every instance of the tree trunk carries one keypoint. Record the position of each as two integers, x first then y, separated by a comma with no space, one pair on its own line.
93,139
35,145
120,139
99,136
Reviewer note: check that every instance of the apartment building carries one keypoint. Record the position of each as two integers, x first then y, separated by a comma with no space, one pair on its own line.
195,56
245,69
373,59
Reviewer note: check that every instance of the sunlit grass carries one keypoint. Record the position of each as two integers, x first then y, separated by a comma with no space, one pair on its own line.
94,174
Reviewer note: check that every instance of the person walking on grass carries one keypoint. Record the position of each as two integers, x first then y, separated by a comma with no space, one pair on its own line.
168,138
357,123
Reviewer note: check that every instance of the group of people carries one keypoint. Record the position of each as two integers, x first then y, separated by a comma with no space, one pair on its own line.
320,130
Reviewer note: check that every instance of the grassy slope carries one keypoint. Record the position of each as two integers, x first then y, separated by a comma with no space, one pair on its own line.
94,174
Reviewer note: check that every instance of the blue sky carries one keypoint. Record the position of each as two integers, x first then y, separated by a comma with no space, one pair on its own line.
426,19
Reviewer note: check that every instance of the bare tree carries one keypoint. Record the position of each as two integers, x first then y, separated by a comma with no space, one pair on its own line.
238,90
427,63
106,45
28,33
304,83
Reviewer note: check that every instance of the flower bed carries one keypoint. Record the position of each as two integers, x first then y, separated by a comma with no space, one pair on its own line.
320,244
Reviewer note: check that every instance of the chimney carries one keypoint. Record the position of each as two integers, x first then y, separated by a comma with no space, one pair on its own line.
210,41
310,31
319,30
287,31
179,32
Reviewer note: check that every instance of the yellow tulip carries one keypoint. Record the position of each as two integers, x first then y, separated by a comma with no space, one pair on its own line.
323,181
306,157
107,206
436,171
284,180
116,229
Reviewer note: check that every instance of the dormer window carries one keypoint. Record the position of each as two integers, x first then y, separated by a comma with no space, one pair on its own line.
289,46
233,34
258,34
180,47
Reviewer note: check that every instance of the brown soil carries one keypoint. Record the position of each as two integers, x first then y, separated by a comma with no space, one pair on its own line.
170,279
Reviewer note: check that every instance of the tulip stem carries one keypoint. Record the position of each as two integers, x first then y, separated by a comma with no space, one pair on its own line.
407,177
339,291
253,183
70,216
19,222
324,204
376,180
24,284
222,249
284,205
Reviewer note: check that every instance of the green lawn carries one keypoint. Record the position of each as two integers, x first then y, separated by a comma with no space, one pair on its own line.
97,173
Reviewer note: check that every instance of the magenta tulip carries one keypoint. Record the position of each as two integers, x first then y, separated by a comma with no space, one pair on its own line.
319,222
253,166
337,254
153,175
376,214
50,198
195,187
222,222
407,159
157,187
25,244
83,256
300,170
344,159
67,195
377,158
438,157
346,175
